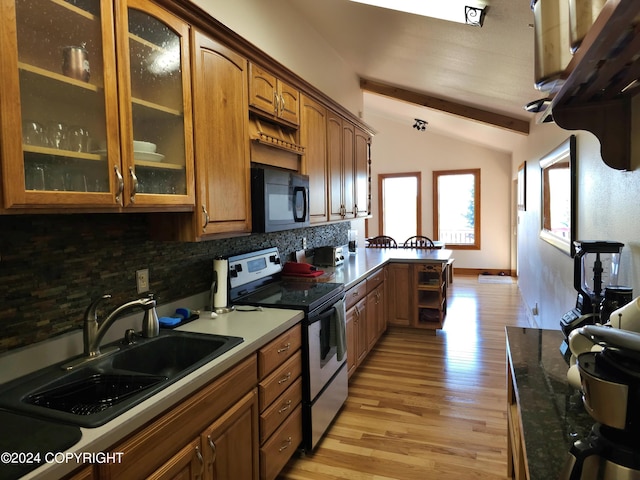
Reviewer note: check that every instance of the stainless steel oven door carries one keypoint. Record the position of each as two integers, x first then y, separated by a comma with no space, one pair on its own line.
327,346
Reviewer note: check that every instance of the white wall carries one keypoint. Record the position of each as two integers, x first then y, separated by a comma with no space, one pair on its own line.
281,33
608,209
400,148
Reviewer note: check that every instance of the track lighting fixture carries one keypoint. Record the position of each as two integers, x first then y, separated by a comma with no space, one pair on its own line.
474,16
420,125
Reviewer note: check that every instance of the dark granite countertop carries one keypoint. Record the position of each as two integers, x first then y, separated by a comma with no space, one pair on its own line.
553,416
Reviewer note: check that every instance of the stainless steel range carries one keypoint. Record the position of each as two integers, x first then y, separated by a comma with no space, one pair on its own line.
254,279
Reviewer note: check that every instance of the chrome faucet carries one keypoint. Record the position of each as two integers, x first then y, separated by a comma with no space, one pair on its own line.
94,331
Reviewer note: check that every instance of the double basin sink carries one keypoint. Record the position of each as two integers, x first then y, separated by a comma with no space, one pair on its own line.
99,390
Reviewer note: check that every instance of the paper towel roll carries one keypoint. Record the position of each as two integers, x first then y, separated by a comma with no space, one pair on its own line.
627,317
220,277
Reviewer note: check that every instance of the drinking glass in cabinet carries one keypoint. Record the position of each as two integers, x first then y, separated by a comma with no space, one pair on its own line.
62,99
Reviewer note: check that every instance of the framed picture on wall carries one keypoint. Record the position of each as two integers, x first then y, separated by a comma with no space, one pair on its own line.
522,187
558,212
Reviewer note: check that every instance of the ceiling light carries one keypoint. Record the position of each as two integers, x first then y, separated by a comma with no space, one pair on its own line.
470,12
420,125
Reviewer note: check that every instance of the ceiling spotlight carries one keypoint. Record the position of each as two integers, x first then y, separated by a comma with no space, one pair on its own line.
420,125
474,16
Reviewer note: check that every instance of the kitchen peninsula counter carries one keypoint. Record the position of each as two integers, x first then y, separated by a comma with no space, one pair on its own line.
367,260
550,412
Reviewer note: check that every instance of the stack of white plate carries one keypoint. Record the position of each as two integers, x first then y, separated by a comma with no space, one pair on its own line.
146,151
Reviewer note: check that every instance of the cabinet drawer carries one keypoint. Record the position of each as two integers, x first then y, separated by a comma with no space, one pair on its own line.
275,384
280,409
282,444
355,294
374,280
278,351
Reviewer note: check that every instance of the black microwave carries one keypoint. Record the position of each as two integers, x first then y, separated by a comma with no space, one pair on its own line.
279,199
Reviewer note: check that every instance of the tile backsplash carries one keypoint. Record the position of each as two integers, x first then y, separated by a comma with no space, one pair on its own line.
52,266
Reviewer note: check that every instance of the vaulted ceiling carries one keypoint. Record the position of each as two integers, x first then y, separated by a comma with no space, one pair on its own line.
466,81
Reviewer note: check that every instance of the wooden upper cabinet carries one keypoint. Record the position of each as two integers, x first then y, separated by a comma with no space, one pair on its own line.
341,161
222,143
272,96
313,136
348,169
69,116
362,143
334,161
58,118
155,105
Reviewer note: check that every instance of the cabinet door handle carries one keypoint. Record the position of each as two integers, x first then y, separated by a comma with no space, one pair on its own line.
286,444
286,406
120,184
276,102
212,446
134,185
200,460
206,219
284,379
285,348
282,104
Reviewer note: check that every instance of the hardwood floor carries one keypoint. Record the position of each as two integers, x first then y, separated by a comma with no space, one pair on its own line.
427,406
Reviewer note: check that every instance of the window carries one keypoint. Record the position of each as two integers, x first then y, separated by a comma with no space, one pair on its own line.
400,205
558,196
456,208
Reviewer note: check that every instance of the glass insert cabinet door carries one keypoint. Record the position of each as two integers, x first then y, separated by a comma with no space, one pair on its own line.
69,117
156,106
59,121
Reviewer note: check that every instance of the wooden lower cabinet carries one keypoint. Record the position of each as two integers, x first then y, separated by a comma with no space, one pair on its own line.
226,451
417,295
376,315
186,464
356,335
280,398
172,445
400,301
366,318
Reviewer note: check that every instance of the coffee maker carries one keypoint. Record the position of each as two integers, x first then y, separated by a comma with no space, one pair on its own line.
610,378
595,267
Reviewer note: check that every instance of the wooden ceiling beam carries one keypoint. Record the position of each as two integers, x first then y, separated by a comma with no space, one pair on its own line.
479,115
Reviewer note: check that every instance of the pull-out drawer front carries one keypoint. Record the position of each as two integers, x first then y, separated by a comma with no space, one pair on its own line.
283,443
374,280
355,294
280,410
275,384
279,350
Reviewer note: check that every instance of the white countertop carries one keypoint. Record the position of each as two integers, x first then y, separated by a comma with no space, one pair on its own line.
365,261
256,327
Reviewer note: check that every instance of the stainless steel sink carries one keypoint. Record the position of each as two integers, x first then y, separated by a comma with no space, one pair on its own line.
102,389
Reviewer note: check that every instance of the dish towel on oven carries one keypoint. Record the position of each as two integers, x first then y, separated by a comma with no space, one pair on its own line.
338,330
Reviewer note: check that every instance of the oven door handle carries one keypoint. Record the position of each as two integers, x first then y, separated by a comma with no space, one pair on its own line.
327,313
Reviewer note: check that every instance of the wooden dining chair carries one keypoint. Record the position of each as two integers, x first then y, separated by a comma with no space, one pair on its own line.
418,241
381,241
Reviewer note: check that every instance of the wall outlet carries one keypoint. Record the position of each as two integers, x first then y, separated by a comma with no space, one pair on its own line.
304,242
142,280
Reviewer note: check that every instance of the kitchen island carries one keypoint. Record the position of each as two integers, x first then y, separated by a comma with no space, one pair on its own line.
546,415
